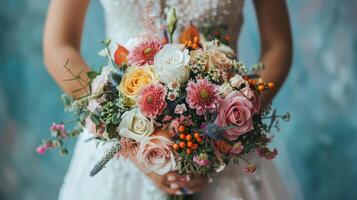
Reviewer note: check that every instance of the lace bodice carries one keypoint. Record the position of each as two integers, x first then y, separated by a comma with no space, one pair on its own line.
124,18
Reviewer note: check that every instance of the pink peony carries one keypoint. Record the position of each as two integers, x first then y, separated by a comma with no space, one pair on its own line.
144,52
155,155
202,96
236,110
151,100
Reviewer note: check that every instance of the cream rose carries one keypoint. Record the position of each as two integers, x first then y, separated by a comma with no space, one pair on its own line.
237,81
171,64
134,79
219,60
135,126
155,155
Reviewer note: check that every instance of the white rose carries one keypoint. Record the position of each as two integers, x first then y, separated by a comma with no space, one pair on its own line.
237,81
135,126
101,79
225,89
171,64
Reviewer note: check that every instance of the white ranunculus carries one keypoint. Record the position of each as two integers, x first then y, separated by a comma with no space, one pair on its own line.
101,79
225,89
171,64
135,126
237,81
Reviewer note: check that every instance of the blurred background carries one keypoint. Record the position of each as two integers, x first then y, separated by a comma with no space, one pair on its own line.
317,148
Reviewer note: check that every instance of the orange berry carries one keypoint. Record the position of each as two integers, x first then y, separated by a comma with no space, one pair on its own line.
196,135
176,147
188,137
271,85
194,46
254,82
261,88
194,146
199,139
195,39
188,151
189,44
189,144
182,145
182,128
182,136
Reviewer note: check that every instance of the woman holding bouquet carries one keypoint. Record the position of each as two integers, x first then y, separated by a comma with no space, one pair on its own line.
123,180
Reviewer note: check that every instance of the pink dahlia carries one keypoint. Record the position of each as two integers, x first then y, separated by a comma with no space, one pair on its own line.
151,100
144,52
202,96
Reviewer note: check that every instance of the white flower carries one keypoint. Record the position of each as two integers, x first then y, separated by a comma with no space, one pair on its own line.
171,64
220,168
225,89
101,79
135,126
103,52
180,108
237,81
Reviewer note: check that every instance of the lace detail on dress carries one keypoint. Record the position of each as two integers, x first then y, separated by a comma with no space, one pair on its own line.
124,18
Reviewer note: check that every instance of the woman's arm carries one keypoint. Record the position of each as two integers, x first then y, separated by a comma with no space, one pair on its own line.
61,43
276,43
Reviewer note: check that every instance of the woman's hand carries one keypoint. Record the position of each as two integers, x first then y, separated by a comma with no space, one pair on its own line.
174,184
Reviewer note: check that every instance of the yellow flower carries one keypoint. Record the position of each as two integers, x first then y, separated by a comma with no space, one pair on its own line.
134,79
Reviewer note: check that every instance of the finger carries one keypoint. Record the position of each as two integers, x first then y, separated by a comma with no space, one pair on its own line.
169,190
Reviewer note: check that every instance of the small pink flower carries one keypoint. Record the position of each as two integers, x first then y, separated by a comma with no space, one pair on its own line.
151,100
57,127
180,108
60,129
237,111
144,52
237,148
167,118
202,96
201,160
42,149
267,153
250,169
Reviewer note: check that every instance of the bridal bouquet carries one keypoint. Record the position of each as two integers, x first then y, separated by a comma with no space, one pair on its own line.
186,106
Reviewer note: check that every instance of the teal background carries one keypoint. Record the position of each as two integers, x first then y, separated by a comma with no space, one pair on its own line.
317,148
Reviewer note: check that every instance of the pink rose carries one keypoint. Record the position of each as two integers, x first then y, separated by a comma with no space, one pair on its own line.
155,155
236,110
252,97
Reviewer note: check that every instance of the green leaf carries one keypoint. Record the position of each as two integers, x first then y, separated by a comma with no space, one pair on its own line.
92,74
95,119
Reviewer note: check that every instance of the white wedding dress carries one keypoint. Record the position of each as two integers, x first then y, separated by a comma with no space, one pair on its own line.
121,180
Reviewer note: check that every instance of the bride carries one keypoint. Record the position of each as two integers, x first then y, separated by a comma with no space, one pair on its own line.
121,179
